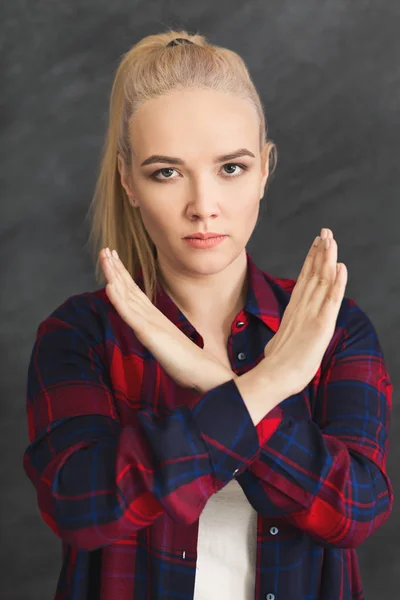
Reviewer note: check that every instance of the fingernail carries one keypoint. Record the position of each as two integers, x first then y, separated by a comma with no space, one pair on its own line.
115,254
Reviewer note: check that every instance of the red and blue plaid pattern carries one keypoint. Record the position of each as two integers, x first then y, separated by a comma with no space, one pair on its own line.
124,460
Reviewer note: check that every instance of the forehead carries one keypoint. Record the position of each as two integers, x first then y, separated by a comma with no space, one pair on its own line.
194,122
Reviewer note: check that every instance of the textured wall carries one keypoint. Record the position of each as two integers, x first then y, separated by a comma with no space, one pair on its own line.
328,73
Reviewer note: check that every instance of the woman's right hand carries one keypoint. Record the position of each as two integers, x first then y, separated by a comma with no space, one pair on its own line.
294,354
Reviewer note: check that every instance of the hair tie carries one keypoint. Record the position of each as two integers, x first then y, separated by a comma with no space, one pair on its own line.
176,40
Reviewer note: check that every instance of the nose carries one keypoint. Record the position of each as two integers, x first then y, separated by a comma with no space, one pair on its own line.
203,205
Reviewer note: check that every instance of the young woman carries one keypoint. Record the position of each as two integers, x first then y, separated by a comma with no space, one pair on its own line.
199,428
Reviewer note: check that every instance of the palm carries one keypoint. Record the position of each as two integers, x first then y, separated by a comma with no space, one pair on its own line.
189,365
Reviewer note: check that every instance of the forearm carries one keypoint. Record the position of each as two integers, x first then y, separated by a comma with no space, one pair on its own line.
313,480
325,468
132,473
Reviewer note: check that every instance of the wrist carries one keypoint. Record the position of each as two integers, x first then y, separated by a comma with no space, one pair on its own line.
260,391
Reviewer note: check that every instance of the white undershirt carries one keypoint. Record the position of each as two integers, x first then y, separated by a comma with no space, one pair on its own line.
226,548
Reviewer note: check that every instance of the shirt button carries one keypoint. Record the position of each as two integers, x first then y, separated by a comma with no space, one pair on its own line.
239,323
273,530
270,596
241,356
234,473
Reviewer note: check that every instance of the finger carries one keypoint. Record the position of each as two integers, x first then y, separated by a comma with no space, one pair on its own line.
126,295
317,259
324,266
302,280
328,292
120,287
107,266
322,278
124,274
115,287
141,300
331,305
309,260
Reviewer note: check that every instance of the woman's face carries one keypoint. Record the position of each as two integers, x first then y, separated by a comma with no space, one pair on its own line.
198,192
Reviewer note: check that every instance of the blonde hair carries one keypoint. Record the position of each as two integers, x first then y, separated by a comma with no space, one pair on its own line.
150,69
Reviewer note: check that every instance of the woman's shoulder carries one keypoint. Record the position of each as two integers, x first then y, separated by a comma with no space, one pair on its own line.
352,317
88,312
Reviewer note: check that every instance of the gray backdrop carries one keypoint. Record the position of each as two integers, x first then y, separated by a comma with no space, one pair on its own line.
328,74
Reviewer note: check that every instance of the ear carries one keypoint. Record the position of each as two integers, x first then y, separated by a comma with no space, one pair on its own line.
125,178
264,170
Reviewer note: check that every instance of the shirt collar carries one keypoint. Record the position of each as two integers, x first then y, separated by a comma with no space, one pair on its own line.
264,299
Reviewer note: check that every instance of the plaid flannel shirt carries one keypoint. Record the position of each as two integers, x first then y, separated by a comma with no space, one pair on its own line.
124,460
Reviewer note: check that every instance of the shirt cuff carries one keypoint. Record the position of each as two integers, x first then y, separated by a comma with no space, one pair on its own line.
232,439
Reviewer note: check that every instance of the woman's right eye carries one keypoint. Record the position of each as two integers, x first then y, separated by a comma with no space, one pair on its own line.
154,175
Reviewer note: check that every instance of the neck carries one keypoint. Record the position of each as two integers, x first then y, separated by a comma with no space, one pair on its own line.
209,302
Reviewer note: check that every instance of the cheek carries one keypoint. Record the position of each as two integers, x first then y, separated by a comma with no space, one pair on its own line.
249,214
157,223
245,207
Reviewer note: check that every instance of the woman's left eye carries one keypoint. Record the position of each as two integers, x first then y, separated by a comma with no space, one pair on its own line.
243,167
156,173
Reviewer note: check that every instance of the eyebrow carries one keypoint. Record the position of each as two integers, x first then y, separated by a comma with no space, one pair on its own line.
156,158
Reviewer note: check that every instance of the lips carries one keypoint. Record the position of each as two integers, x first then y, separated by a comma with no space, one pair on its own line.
204,236
206,243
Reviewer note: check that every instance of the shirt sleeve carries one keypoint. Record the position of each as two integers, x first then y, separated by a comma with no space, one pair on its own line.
98,480
327,474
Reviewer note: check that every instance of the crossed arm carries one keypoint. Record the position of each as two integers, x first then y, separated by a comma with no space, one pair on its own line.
327,474
98,480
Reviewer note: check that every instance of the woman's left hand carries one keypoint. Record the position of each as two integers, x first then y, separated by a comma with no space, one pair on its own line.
189,366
